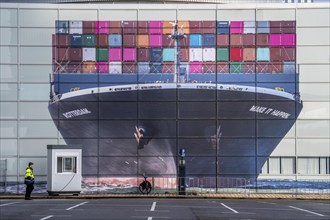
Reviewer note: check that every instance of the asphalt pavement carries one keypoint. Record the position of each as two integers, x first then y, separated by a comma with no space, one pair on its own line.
163,208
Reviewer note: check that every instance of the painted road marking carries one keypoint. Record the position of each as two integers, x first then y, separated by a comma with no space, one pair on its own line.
304,210
8,203
144,217
46,217
231,209
76,205
153,207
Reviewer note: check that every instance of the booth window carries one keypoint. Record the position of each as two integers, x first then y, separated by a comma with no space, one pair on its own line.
66,164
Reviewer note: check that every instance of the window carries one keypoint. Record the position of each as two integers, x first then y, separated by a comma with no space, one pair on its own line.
308,165
279,165
66,164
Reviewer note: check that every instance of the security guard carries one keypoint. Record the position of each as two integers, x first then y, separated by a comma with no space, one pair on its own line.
29,181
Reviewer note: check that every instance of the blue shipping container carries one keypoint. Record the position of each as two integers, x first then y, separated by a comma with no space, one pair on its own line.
75,40
184,69
263,27
156,68
115,40
289,67
156,55
62,27
209,40
263,54
223,27
143,67
168,54
195,40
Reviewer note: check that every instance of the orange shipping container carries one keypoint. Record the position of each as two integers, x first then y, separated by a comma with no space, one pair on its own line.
142,40
167,27
183,25
89,67
249,54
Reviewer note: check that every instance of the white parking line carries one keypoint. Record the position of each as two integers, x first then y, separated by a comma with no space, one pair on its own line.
46,217
8,203
231,209
76,205
153,207
304,210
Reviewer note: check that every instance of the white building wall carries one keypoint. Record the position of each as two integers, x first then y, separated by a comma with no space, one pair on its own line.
26,58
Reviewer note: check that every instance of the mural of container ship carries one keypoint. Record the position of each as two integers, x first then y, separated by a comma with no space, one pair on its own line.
134,92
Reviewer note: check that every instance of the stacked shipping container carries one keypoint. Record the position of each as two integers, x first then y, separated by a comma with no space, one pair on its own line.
147,47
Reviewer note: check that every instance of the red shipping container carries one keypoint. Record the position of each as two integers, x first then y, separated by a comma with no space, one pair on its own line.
195,27
236,54
209,67
275,27
288,27
222,40
62,54
222,67
209,27
115,27
184,54
102,27
275,67
288,54
155,27
236,40
102,67
167,41
155,40
102,40
115,54
129,67
143,55
143,27
195,67
73,67
62,40
249,67
185,41
129,40
89,27
75,54
129,54
263,67
129,27
168,67
236,27
89,67
275,54
249,39
263,39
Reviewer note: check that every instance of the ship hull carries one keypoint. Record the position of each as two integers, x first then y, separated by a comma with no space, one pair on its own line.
228,131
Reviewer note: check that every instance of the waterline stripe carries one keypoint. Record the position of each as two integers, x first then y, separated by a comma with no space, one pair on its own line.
231,209
304,210
76,205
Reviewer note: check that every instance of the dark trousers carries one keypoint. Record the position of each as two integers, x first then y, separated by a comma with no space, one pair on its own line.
29,189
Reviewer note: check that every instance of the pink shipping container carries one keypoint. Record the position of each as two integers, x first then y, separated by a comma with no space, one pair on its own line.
236,27
102,27
102,67
288,40
196,67
115,54
275,40
129,54
155,40
155,27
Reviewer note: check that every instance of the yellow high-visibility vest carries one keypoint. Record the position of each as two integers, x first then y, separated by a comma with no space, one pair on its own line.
29,173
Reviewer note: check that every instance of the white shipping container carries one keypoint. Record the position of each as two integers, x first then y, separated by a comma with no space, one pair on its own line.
89,54
115,67
209,54
249,27
76,27
196,54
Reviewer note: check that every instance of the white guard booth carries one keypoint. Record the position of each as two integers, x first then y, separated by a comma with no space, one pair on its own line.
64,169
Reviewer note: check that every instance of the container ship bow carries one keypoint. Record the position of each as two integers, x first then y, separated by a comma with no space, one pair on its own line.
139,101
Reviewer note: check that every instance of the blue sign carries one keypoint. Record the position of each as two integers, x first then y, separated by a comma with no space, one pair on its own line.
182,152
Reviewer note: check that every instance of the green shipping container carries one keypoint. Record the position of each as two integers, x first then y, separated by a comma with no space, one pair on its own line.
236,67
102,54
88,40
222,54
